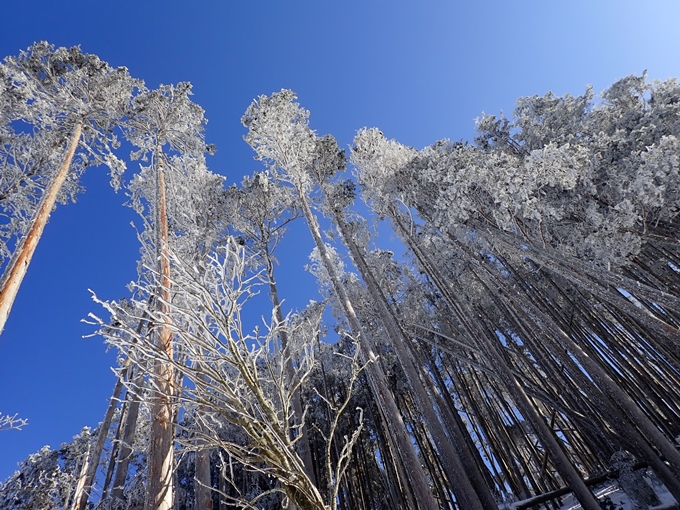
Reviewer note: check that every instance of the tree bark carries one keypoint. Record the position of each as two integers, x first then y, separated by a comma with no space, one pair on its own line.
83,494
453,466
16,271
375,375
159,488
562,463
202,479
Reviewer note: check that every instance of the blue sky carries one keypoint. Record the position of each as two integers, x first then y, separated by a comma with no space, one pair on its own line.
420,71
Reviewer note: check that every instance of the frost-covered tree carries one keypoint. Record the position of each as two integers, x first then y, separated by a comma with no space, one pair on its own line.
526,341
261,210
65,99
337,197
507,198
278,131
235,377
46,479
159,118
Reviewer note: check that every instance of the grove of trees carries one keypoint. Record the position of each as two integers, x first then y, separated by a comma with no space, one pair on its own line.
525,346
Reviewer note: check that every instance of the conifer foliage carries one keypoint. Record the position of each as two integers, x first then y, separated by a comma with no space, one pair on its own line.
525,346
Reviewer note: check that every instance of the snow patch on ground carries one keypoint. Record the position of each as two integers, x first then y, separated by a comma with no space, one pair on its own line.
612,497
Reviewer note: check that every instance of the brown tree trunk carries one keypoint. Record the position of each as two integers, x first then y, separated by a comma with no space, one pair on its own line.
159,487
16,271
202,479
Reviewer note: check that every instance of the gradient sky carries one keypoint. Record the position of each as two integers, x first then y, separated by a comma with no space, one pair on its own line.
420,71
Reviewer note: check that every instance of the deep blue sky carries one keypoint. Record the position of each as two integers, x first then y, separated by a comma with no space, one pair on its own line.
420,71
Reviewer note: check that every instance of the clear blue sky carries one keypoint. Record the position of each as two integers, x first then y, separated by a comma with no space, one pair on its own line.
420,71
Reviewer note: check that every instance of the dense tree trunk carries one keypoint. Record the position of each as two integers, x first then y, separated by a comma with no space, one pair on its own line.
467,319
453,467
203,485
375,375
614,398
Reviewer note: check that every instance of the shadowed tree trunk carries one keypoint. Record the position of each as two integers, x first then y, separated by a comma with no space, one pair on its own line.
475,331
202,479
375,375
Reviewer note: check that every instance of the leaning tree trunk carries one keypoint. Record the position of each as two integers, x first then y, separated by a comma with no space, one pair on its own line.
612,392
83,493
560,460
82,496
125,449
159,489
459,476
375,375
14,274
601,285
563,346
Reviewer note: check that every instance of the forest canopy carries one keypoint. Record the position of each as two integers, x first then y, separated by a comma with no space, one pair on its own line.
525,346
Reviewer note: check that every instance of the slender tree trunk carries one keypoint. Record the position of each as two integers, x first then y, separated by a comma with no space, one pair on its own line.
115,448
665,333
203,484
125,451
82,495
620,406
561,462
80,486
14,274
303,443
375,375
452,464
617,397
159,488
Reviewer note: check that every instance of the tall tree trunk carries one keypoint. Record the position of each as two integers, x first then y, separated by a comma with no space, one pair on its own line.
602,287
560,460
620,407
375,375
125,450
159,487
613,397
303,443
202,478
458,475
82,495
14,274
